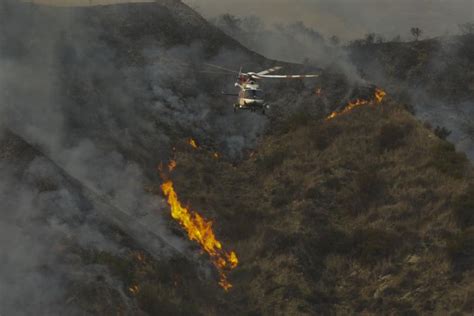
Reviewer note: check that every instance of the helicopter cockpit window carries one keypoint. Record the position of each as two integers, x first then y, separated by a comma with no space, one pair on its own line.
253,94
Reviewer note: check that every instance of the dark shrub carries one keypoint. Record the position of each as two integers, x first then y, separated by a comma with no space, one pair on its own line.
460,248
296,120
155,301
442,132
313,193
284,195
369,188
271,161
372,244
464,209
448,161
391,136
323,136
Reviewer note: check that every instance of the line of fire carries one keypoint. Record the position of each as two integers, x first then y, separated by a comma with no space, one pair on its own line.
199,229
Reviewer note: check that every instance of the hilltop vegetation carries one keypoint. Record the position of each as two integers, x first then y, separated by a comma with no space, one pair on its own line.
441,67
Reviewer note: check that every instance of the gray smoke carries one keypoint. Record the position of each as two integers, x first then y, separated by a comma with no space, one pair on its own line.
110,124
107,111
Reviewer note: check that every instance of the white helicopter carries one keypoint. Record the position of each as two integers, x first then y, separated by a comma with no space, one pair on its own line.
251,96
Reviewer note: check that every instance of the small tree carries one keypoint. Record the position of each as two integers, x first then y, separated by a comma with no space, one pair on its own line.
229,23
379,39
416,32
334,40
467,28
370,38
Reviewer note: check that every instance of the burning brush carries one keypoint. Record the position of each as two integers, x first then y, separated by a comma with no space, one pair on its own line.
379,95
200,230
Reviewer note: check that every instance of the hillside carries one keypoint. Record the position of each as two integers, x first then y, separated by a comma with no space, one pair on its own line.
367,212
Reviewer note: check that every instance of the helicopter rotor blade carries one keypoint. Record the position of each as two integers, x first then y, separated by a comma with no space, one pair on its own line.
189,65
221,68
264,72
287,76
214,72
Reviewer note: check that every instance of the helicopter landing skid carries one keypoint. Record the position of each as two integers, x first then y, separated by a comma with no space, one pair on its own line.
262,109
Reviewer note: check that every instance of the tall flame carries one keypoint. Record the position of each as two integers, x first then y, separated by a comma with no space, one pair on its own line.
379,95
200,231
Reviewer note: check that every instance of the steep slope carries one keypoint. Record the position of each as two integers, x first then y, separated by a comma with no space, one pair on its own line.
369,212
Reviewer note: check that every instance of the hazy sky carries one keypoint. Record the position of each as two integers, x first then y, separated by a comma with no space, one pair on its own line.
346,18
352,18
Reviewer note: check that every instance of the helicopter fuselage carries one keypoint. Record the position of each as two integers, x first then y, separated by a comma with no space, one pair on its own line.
250,97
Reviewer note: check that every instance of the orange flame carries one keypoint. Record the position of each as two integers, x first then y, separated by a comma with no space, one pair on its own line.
200,231
379,95
193,143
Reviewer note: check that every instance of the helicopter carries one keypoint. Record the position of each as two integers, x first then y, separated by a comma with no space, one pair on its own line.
251,96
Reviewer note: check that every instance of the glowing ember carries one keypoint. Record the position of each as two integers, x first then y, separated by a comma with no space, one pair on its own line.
200,231
216,155
139,256
379,95
135,289
193,143
172,165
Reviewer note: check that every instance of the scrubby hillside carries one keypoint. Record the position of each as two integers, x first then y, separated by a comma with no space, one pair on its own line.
369,212
435,76
443,67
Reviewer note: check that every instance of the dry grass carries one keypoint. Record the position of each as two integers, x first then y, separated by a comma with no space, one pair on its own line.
368,212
